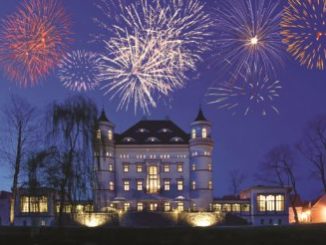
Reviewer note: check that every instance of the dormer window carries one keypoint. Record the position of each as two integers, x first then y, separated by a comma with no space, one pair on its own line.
204,133
142,130
176,139
153,140
165,130
128,140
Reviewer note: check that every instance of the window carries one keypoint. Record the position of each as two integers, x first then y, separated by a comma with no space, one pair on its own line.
193,133
153,206
167,184
193,167
126,167
139,185
236,208
110,135
166,168
245,208
140,206
34,204
139,167
126,206
110,167
217,207
180,167
204,133
261,202
270,221
180,206
280,203
167,207
210,185
226,207
194,207
180,185
262,221
153,182
126,185
193,185
98,134
270,203
111,186
209,167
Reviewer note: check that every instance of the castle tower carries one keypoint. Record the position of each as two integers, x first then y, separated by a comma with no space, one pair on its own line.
201,148
104,164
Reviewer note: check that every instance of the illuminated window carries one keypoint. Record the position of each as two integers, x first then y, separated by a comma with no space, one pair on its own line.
180,185
245,208
140,206
126,206
153,206
166,168
209,167
126,185
193,167
204,133
236,207
98,134
110,167
167,184
167,206
261,202
139,168
180,167
180,206
66,208
217,207
226,207
126,167
193,133
210,185
193,185
139,185
34,204
111,186
270,201
280,203
153,181
110,135
79,208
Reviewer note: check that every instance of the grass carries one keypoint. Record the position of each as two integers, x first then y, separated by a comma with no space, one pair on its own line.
303,234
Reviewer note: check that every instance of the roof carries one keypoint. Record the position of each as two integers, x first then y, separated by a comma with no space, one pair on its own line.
200,116
103,117
5,195
153,132
265,187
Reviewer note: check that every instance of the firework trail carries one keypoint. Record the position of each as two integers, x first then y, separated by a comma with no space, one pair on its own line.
254,92
33,40
81,70
154,44
304,31
249,34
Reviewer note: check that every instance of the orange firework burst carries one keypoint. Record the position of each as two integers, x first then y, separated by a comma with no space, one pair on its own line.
33,40
304,31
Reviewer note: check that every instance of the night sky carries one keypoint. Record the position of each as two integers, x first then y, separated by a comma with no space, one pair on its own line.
240,142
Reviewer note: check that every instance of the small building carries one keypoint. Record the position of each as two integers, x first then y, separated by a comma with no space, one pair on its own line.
5,208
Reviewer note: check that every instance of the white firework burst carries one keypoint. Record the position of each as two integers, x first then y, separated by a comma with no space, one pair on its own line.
81,70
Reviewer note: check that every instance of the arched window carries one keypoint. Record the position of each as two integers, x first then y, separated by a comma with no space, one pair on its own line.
110,135
193,134
204,133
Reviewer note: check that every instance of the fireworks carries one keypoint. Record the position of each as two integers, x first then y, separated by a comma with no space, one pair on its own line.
154,44
304,31
249,33
80,70
33,40
255,92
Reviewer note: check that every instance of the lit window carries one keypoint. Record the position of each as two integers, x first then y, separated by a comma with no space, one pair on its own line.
180,206
210,185
193,134
217,207
153,206
167,184
126,206
280,203
166,168
180,167
193,185
79,208
245,208
139,167
111,186
209,167
270,201
34,204
139,185
194,206
110,167
110,135
226,207
98,134
140,206
180,185
236,208
261,201
153,181
204,133
126,185
193,167
126,167
167,207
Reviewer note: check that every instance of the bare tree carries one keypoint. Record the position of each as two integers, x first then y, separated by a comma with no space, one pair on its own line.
237,179
279,167
19,136
313,148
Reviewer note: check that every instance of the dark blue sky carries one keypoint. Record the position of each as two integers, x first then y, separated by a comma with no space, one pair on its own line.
241,142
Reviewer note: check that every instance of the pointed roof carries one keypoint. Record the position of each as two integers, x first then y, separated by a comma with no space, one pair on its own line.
200,116
103,117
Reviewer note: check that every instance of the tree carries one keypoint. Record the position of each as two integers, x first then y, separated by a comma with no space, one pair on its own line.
237,179
279,167
19,136
313,148
71,131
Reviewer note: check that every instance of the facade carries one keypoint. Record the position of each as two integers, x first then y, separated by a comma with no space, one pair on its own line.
154,165
5,207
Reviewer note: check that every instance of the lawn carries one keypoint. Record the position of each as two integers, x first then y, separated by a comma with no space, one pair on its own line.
305,235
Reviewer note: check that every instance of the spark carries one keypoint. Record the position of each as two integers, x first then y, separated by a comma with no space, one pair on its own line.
80,70
304,31
33,40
